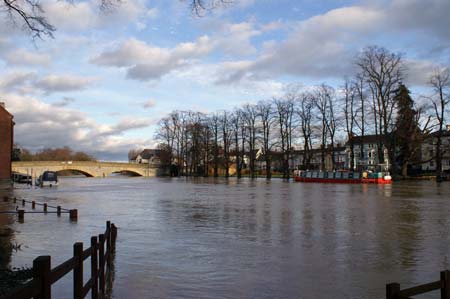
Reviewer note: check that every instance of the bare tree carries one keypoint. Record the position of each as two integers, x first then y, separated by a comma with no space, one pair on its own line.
321,101
30,15
383,72
440,82
227,135
266,116
214,123
249,117
166,135
360,90
285,118
350,113
305,113
200,6
238,130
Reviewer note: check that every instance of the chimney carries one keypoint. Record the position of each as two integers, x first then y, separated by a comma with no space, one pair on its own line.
2,104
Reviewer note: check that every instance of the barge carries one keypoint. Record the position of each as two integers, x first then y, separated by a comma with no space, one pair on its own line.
342,177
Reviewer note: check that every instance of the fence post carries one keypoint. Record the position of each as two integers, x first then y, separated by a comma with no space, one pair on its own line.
94,269
33,205
101,262
45,207
108,243
21,214
445,284
73,215
23,202
58,210
78,270
392,290
113,236
41,272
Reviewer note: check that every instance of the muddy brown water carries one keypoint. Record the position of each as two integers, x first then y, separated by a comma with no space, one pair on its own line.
213,238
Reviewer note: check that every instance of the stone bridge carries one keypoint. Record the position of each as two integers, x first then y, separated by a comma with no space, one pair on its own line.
88,168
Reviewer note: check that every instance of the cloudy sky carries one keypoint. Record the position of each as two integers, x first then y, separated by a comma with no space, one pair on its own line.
106,78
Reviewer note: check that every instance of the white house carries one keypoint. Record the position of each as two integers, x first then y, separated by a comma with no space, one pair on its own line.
428,151
365,151
148,156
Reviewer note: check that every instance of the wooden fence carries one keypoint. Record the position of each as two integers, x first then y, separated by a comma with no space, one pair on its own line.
393,290
73,214
44,276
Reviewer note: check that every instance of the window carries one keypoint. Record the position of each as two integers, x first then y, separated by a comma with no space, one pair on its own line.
432,163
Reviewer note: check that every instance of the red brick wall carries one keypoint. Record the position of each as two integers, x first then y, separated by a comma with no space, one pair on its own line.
6,141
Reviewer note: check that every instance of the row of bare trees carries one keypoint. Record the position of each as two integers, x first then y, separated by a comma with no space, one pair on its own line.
318,118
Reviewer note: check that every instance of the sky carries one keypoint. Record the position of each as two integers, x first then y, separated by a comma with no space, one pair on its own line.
107,77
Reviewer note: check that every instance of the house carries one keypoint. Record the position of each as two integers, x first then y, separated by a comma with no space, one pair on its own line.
315,161
365,151
148,156
428,151
6,142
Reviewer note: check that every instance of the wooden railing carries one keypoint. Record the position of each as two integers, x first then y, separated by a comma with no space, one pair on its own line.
44,276
73,213
393,290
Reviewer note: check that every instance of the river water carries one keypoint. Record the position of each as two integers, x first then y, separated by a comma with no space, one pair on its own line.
213,238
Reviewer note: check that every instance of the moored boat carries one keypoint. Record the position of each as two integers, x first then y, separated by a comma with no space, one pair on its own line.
47,179
343,177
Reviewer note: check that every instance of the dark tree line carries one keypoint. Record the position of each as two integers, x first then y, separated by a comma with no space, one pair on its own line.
50,154
374,101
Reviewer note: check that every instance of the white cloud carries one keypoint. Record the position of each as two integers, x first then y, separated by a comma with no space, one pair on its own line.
67,16
147,62
429,16
16,81
84,15
130,123
326,45
152,13
320,46
419,71
23,82
40,125
65,101
235,39
149,104
60,83
22,57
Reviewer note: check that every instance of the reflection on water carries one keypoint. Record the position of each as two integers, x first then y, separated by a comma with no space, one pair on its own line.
212,238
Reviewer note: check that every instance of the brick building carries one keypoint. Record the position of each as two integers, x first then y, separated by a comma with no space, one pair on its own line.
6,142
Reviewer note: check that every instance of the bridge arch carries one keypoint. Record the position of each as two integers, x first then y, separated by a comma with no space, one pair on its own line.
133,172
82,171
